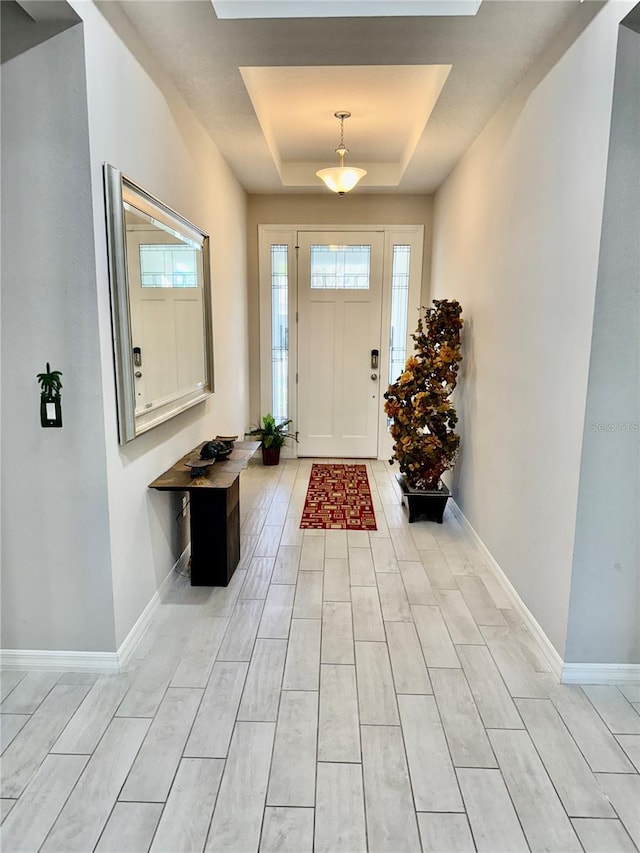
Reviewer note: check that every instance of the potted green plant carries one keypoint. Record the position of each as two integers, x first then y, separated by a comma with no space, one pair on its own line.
423,417
272,437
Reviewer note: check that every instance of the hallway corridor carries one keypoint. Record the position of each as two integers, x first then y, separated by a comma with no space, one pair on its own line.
347,692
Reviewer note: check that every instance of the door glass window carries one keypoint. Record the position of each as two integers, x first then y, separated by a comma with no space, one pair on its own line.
340,267
279,330
168,266
399,303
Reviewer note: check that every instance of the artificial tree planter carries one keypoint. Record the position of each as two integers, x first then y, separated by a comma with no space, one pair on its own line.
424,503
272,437
425,443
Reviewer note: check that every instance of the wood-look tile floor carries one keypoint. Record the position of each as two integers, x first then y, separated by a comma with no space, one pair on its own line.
347,692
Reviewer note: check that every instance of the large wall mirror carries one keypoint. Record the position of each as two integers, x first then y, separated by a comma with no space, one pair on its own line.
160,307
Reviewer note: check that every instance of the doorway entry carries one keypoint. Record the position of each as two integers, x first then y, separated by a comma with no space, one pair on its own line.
337,306
339,323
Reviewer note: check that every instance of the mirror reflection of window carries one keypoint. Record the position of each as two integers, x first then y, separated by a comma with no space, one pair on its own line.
168,266
167,316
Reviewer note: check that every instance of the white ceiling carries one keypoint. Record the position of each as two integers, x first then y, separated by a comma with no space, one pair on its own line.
389,105
419,88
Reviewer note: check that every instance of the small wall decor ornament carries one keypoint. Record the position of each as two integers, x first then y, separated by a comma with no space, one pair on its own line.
50,398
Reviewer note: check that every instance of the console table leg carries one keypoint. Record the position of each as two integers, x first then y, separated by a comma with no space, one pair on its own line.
215,535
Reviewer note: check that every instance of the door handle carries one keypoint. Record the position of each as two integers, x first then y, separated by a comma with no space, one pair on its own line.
374,376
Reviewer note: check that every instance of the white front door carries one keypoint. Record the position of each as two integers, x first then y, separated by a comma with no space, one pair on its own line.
339,319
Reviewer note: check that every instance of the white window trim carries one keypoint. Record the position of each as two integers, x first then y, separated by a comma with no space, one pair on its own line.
412,236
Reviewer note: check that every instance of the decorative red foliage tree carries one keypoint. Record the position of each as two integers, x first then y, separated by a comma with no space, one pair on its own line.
425,443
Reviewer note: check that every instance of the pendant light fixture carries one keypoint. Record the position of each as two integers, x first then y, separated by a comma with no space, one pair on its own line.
341,178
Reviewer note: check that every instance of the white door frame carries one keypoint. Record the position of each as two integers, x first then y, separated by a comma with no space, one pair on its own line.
286,235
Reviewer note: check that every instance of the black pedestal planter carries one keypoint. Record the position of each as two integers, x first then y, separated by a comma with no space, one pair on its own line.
430,505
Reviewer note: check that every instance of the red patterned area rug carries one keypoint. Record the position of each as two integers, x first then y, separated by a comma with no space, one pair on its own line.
338,498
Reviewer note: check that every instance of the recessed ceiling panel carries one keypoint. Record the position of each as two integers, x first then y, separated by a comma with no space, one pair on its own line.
389,105
487,53
347,9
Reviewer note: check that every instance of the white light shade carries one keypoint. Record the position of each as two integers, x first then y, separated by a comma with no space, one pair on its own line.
341,179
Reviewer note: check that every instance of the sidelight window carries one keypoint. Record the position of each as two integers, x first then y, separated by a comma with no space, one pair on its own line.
400,267
279,330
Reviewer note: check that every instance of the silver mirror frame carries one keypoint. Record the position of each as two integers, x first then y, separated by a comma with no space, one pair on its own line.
129,426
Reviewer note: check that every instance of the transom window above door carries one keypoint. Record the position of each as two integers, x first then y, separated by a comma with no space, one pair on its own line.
340,267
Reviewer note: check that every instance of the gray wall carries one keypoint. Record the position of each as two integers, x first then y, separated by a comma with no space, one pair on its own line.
21,30
140,124
517,228
56,582
604,626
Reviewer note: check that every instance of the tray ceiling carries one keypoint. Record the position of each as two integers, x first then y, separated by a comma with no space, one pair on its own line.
419,88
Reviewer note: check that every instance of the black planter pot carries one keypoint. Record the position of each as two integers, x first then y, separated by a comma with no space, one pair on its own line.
270,455
422,503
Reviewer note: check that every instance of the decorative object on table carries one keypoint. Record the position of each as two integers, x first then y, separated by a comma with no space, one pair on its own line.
50,397
215,450
272,437
199,467
338,498
425,443
229,440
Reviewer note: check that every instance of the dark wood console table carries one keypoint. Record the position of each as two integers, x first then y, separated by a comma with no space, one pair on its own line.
214,503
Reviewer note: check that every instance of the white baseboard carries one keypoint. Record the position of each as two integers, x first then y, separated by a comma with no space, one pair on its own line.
568,673
600,673
59,661
104,662
546,646
138,631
